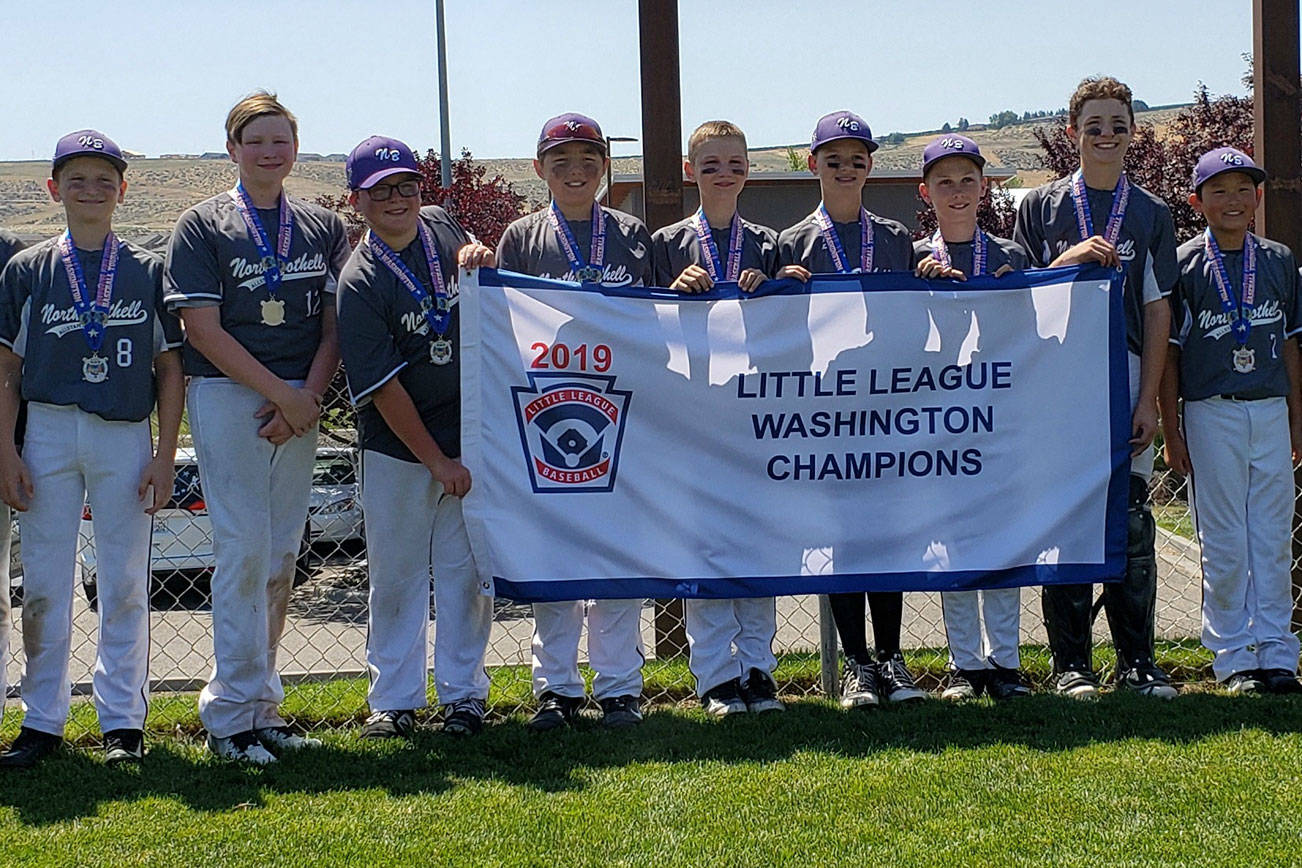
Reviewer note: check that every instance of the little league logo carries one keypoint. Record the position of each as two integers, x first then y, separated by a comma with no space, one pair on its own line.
571,426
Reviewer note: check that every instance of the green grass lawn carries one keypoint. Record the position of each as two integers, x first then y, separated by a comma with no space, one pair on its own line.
1206,780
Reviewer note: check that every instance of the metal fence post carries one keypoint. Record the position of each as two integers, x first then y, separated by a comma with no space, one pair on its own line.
827,648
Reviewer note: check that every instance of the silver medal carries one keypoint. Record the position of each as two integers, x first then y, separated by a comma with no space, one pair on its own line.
273,312
94,368
589,274
440,351
1245,360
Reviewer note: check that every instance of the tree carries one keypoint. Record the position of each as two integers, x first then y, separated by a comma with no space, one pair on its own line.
894,139
1003,119
484,206
946,128
796,160
963,124
1164,165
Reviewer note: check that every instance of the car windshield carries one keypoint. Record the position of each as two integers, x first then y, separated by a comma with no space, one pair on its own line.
333,471
185,489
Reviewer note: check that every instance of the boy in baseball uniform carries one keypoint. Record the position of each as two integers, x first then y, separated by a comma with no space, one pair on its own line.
1234,361
576,239
9,245
843,237
252,274
982,626
730,641
84,338
398,335
1097,215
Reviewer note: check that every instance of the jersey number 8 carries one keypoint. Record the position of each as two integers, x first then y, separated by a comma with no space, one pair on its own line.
124,352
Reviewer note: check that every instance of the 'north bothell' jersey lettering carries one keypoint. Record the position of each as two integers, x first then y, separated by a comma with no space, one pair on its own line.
803,244
1046,227
39,322
1202,327
530,246
677,246
213,261
384,334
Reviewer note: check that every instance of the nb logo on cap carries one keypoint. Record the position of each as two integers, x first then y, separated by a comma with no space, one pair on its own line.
956,144
572,125
91,142
1231,159
848,124
390,154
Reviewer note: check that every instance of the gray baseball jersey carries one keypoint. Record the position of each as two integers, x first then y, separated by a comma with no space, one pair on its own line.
530,246
1202,327
803,244
383,334
211,260
9,245
999,252
38,321
677,246
1046,226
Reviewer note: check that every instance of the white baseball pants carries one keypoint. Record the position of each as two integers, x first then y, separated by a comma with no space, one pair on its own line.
728,638
1242,499
614,647
982,627
411,528
75,456
257,496
1141,464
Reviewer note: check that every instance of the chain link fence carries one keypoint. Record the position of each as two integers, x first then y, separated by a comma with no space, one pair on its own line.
325,637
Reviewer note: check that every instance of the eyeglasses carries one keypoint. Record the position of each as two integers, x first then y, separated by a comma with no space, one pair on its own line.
405,189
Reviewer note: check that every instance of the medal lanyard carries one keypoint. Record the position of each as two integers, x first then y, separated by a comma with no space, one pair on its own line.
833,242
93,313
597,249
1084,221
979,246
437,311
1239,322
270,260
713,263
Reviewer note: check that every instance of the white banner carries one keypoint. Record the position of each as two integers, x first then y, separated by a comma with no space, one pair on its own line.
873,432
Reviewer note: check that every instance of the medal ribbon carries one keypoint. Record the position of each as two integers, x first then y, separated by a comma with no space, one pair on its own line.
437,311
713,263
270,261
979,247
93,313
597,249
1084,221
1239,322
834,243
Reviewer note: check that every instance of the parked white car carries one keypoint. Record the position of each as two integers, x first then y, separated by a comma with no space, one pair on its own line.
182,546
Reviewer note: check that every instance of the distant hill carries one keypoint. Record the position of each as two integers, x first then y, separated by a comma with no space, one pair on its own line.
159,189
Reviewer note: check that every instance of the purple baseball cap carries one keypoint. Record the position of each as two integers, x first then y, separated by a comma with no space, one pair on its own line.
87,143
570,127
1221,160
376,159
951,145
841,125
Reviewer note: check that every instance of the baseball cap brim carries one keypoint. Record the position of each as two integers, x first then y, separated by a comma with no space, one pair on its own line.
976,158
376,177
118,163
871,145
1256,173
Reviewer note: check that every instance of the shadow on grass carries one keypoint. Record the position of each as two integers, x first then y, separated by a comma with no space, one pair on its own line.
76,784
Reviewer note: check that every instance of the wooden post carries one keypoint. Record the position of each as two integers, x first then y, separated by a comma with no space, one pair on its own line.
662,193
1277,145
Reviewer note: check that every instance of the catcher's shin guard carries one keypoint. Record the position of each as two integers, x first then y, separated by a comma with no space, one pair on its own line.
1131,604
1067,620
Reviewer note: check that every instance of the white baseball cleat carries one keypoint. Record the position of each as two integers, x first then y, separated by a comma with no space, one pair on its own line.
241,747
282,739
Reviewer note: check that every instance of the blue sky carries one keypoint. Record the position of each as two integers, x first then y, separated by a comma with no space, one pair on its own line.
158,77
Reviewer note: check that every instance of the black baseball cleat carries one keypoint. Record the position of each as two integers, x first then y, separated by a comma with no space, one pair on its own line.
963,684
760,692
1280,681
1006,683
1245,683
464,716
724,699
859,685
555,711
620,711
29,748
398,723
1145,678
123,746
